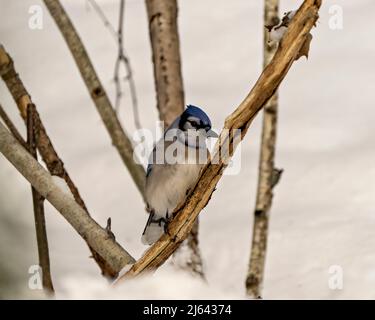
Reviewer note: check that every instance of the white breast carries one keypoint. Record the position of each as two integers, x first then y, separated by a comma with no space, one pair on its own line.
167,184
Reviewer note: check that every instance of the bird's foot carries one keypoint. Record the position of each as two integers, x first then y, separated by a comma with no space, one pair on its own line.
166,223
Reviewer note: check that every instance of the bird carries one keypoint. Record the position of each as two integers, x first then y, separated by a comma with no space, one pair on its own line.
174,167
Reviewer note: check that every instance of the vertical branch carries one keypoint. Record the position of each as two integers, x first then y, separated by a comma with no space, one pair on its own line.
99,96
162,18
267,170
38,204
122,57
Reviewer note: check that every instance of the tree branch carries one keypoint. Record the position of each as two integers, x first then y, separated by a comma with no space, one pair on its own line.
165,45
241,119
40,228
122,57
97,237
38,204
119,138
49,155
103,17
255,274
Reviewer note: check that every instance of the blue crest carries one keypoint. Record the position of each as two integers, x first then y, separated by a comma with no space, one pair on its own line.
193,111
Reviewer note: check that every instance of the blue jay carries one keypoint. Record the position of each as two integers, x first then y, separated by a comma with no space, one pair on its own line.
171,175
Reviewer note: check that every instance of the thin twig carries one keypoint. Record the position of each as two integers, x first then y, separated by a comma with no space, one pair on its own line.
38,204
98,94
122,57
240,119
104,18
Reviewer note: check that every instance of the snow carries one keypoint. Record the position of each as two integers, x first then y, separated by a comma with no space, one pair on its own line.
278,31
323,206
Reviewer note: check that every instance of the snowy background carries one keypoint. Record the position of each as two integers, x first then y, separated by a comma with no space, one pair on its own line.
323,212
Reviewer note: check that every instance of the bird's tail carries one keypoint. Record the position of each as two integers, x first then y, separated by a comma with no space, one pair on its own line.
154,229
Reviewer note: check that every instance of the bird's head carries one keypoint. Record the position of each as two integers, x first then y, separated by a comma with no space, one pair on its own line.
194,118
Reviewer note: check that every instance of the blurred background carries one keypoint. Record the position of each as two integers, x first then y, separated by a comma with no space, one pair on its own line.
323,212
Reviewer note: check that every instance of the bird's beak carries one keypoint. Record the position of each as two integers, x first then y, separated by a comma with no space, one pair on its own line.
212,134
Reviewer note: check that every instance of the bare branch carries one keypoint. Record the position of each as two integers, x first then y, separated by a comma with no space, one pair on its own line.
162,19
241,119
42,181
38,204
255,274
49,155
119,138
103,17
123,58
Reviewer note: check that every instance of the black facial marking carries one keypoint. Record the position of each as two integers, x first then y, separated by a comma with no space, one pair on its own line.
182,122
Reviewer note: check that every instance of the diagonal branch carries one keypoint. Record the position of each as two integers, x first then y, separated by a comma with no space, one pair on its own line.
49,155
99,96
104,18
240,119
97,237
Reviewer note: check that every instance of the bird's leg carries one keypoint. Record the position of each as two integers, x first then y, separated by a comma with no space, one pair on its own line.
166,231
160,220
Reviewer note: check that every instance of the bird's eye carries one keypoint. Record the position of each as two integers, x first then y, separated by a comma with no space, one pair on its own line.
193,123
